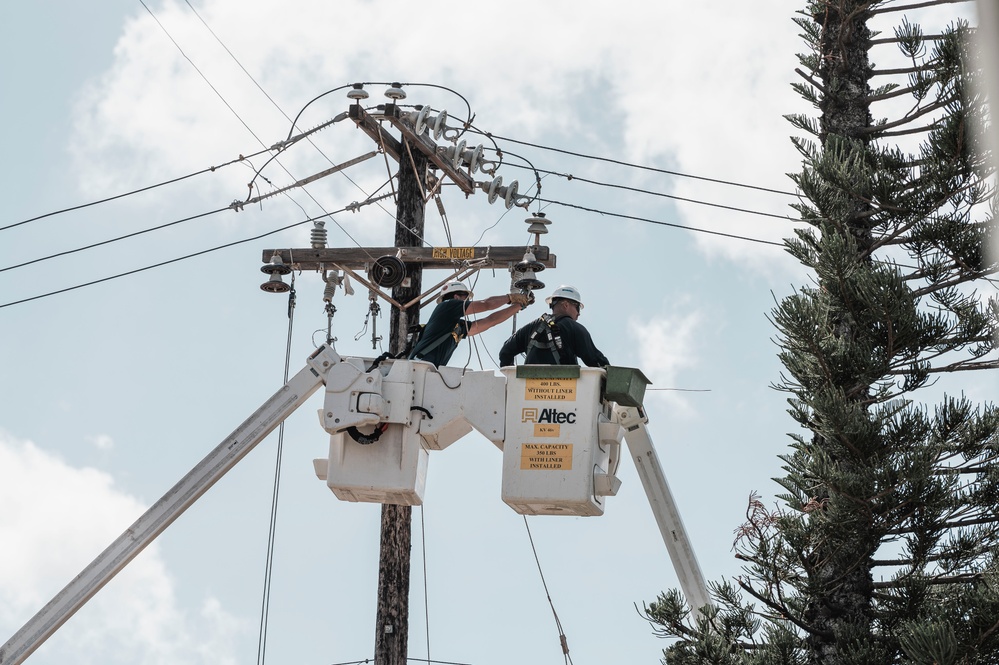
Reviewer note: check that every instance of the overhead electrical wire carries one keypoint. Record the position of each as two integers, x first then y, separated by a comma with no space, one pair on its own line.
467,127
275,494
351,207
111,240
252,133
661,223
636,166
571,177
174,260
186,57
544,584
210,169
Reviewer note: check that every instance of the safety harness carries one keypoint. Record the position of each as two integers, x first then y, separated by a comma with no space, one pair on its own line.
546,335
455,334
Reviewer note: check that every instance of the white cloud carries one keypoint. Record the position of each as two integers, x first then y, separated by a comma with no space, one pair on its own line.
669,344
100,441
71,516
682,89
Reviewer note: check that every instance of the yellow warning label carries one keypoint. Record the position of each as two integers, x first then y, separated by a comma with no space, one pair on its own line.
453,253
556,390
546,456
546,430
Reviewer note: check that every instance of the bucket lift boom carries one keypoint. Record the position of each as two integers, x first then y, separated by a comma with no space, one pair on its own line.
383,397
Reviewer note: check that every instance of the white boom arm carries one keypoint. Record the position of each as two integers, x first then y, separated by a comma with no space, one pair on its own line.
232,449
688,571
356,397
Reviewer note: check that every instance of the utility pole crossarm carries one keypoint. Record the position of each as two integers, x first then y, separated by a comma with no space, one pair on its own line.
428,148
159,516
361,258
370,126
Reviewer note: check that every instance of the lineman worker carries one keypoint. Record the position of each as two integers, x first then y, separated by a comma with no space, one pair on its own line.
447,324
555,338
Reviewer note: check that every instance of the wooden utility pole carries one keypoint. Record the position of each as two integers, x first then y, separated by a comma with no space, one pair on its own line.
415,153
392,622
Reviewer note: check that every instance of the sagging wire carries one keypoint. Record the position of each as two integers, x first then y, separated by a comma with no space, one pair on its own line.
558,623
272,529
426,591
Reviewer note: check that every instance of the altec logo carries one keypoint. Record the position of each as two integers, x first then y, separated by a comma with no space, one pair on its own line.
547,416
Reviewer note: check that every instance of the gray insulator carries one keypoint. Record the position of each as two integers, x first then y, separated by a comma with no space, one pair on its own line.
329,291
318,236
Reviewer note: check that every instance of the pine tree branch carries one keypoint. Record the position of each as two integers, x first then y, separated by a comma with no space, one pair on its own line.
929,559
898,92
897,40
988,632
935,581
966,366
961,279
783,612
818,86
950,525
959,366
919,5
897,72
878,129
907,132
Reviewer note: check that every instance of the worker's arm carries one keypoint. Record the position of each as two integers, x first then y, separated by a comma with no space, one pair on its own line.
487,304
499,316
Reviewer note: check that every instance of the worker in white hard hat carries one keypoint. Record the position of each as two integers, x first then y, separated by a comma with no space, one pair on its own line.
447,324
556,338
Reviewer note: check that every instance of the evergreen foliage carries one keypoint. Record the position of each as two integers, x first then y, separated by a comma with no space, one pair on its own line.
885,548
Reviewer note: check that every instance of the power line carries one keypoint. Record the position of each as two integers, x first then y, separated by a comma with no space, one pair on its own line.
108,242
168,262
307,193
634,166
558,622
200,73
210,169
569,176
661,223
312,219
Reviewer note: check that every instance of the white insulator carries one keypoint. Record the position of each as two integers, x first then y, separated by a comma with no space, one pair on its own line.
318,236
538,223
357,93
395,92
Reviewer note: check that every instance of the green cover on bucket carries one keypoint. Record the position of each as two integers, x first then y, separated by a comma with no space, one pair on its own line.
625,385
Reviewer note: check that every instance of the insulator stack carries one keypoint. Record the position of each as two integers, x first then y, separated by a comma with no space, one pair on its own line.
318,236
330,289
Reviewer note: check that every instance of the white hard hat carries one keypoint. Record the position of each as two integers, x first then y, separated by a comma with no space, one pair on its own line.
565,292
454,287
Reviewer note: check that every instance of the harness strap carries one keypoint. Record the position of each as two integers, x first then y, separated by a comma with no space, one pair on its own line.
440,340
547,326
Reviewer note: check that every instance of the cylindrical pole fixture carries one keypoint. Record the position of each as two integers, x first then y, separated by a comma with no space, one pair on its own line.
392,622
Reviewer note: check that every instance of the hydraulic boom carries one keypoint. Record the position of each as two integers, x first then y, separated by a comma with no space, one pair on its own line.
559,433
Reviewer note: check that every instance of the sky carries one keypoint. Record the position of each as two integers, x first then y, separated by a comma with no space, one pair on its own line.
115,390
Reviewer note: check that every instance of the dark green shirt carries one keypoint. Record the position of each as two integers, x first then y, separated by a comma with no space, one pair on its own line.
446,327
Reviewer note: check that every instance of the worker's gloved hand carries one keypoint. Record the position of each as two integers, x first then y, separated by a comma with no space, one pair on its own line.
522,299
